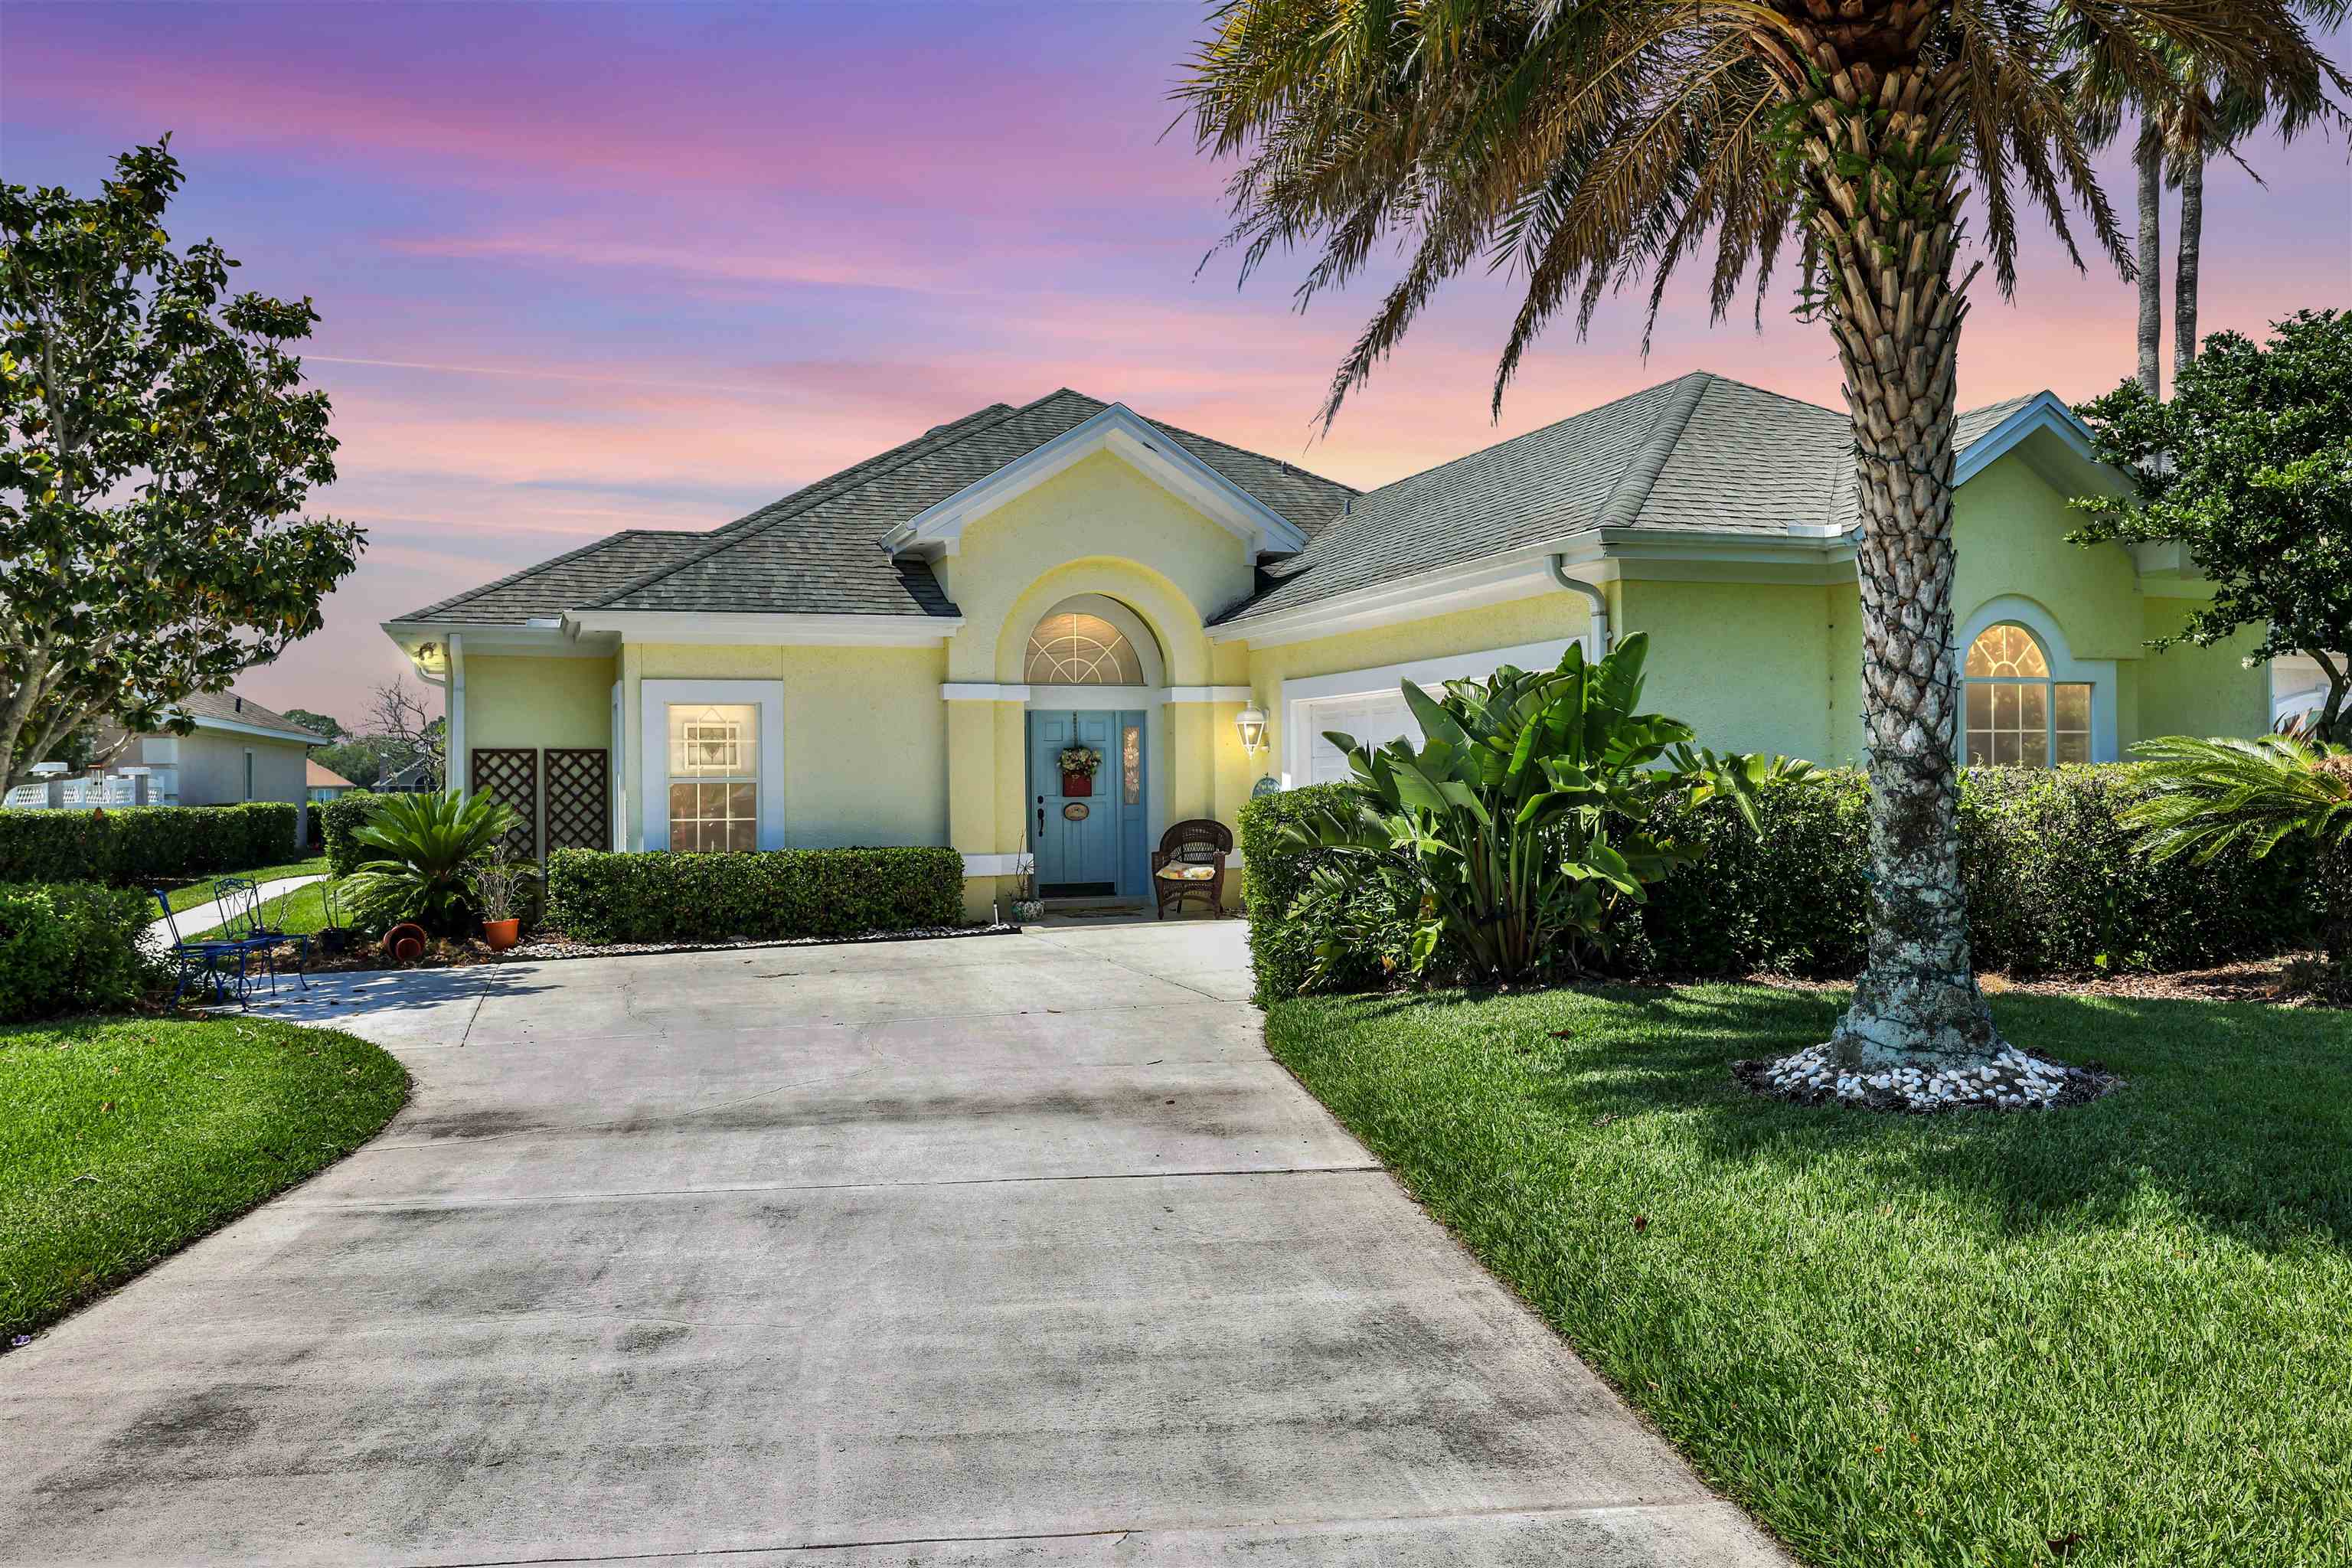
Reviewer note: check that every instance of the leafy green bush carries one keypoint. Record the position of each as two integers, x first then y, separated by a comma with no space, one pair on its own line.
338,820
2058,881
70,947
2055,885
144,843
1277,869
671,896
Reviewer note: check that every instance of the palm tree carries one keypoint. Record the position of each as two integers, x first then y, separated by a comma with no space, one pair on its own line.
2195,118
1590,145
2211,796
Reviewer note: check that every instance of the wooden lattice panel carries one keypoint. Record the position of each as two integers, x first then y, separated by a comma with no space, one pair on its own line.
511,773
578,802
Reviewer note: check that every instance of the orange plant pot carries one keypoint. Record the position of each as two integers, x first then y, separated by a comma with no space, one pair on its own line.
404,943
501,934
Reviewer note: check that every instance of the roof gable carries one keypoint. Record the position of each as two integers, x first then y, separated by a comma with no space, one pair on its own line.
938,529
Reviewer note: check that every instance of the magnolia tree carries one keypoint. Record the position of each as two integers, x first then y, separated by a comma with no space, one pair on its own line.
2250,467
158,446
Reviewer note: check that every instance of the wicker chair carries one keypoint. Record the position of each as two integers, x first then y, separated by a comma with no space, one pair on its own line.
1190,860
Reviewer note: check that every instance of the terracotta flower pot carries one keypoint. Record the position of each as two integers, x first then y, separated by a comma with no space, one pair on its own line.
501,934
404,943
1078,784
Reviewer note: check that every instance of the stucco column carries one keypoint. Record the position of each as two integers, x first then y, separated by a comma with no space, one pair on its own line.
1235,772
971,793
1191,762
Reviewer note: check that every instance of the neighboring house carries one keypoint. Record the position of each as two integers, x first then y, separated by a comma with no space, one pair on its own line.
325,783
239,750
897,653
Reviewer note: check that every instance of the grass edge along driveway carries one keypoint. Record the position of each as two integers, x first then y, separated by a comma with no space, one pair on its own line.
122,1139
2110,1335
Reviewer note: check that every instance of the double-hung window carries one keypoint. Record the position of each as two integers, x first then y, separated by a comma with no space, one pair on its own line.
714,776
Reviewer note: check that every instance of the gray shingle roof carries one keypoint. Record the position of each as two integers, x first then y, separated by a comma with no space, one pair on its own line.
1976,423
1702,452
236,709
574,578
816,551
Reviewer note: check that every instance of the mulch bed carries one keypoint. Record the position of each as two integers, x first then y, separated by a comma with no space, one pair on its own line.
2289,980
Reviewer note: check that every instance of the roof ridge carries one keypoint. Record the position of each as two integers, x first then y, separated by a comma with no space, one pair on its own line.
1767,391
1634,481
816,490
535,566
1526,435
723,539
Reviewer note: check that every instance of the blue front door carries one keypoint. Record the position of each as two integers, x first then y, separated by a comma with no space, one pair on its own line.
1081,839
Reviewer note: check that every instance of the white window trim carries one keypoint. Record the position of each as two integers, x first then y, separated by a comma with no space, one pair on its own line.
1426,673
654,700
2099,673
1089,698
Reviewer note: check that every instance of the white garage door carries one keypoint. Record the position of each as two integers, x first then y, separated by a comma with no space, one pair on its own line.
1373,720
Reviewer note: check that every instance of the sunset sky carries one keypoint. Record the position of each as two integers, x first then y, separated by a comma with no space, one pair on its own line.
591,267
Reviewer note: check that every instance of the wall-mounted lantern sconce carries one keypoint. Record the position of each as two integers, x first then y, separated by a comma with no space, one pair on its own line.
1251,722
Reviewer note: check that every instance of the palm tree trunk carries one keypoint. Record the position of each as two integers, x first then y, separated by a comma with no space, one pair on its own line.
2149,160
1887,236
2184,274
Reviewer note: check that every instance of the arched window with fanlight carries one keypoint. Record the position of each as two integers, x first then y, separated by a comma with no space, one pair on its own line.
1075,648
2018,716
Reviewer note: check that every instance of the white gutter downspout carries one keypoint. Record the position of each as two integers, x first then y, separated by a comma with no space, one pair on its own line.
453,688
1593,597
453,769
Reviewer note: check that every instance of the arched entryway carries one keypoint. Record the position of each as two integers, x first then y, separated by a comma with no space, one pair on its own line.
1094,673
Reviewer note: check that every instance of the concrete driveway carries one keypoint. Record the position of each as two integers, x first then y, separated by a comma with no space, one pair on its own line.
990,1251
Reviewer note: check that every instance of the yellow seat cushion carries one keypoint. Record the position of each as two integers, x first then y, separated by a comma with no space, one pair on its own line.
1183,871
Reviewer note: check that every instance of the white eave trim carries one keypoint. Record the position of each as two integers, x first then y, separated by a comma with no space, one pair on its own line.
1497,579
938,530
545,637
263,731
745,627
2043,411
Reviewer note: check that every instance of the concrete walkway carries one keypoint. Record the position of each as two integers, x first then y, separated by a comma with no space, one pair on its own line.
989,1251
198,919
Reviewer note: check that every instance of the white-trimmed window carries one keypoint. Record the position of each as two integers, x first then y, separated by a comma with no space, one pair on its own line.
2018,716
1079,650
714,776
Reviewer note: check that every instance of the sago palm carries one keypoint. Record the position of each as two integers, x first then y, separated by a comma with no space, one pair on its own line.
1585,146
427,849
2212,796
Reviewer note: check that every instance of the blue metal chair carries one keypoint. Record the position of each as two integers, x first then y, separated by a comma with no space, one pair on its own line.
240,900
205,961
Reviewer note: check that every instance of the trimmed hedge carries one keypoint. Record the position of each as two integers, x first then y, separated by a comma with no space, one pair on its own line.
338,820
673,896
70,947
140,845
2053,887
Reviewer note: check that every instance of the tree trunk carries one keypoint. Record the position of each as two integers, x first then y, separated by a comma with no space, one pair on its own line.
1887,236
2184,272
2149,160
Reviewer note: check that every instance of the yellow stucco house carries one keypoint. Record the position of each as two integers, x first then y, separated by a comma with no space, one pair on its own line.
903,653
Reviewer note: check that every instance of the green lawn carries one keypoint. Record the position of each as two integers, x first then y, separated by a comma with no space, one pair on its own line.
303,910
123,1139
2125,1329
201,891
